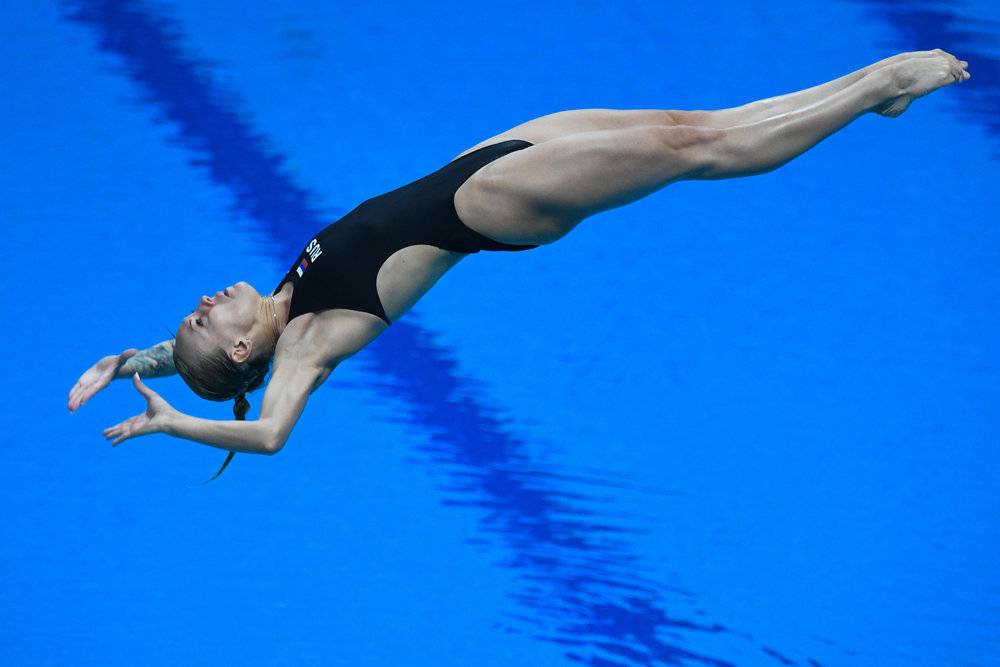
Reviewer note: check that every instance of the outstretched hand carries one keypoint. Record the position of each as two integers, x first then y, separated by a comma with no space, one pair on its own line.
97,378
153,420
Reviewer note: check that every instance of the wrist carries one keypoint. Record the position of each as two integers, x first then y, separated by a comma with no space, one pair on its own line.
124,371
882,86
171,422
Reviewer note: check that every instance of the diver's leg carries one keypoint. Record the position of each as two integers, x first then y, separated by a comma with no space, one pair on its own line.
576,121
756,148
538,194
759,110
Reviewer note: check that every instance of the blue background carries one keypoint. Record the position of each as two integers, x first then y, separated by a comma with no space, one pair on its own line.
747,422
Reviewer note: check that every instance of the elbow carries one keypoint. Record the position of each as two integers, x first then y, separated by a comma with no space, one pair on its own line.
274,440
273,445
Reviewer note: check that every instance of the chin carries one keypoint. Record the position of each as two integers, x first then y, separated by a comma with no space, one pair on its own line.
244,285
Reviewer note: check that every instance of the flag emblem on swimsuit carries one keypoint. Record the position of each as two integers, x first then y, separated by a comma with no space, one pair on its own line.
302,266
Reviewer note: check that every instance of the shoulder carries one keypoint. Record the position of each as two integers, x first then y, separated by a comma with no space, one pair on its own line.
322,340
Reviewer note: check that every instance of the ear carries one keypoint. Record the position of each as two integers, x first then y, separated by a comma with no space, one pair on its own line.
241,350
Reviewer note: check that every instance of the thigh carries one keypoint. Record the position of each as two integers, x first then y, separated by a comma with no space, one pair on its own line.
538,194
563,123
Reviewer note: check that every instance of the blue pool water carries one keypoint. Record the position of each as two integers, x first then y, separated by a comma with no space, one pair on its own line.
745,422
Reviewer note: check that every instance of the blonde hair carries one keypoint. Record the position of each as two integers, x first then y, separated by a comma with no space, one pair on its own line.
216,377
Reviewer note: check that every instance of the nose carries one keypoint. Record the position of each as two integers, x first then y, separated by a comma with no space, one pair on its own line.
206,301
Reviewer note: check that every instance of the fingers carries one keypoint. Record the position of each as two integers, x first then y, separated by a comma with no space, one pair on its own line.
74,394
97,378
118,428
81,393
121,432
135,426
143,389
117,433
78,395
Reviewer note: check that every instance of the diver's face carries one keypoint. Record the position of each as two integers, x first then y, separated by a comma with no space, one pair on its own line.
220,320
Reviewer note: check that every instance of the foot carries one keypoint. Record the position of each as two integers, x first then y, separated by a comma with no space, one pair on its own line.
917,75
899,57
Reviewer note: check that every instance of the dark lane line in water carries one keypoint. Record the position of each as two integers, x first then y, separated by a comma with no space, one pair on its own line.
934,24
580,584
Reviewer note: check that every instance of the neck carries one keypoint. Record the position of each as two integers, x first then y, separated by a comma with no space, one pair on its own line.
270,326
283,304
271,317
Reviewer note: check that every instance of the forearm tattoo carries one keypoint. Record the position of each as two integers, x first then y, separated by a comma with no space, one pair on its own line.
152,362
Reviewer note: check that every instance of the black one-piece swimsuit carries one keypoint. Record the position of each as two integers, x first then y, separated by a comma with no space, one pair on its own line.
338,268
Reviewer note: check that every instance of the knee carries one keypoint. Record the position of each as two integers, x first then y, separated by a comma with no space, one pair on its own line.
685,137
695,147
683,117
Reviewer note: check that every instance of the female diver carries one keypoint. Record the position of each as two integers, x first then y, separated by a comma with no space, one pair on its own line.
528,186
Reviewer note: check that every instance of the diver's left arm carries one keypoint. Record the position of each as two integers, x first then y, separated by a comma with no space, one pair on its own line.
284,400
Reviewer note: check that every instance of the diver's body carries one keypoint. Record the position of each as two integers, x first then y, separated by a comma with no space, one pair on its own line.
547,176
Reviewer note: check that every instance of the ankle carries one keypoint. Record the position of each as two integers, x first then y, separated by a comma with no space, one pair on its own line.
884,84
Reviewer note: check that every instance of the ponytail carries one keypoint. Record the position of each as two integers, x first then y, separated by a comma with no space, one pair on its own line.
240,408
216,377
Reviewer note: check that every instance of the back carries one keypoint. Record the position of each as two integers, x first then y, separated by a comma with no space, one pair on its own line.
338,268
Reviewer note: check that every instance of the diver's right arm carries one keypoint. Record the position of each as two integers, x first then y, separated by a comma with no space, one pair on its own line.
155,361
